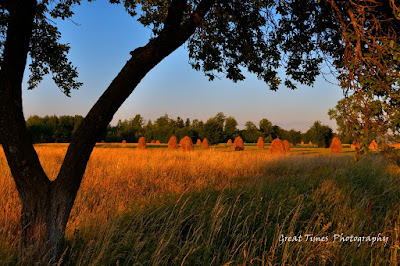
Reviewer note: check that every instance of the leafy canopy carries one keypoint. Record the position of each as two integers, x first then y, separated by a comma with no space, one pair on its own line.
260,36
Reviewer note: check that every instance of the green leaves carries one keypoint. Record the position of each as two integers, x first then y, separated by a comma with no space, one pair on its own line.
50,56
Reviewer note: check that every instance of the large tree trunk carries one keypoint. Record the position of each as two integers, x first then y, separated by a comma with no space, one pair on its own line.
43,219
46,204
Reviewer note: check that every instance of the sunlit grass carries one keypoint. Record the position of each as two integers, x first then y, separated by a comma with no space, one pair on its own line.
216,206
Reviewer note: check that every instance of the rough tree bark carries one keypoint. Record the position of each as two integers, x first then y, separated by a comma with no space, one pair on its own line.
46,205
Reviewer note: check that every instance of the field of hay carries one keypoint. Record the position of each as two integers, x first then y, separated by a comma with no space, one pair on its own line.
219,207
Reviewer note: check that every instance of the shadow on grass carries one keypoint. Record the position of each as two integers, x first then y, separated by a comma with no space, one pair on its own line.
242,224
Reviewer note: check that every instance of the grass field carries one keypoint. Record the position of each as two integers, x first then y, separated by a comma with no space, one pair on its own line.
219,207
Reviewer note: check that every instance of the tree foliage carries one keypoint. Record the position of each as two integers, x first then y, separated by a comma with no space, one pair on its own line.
224,38
319,134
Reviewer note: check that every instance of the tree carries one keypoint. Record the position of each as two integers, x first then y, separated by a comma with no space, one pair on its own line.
251,132
363,119
369,70
223,37
38,130
187,122
230,128
277,132
220,117
265,127
53,128
319,134
213,130
179,122
293,136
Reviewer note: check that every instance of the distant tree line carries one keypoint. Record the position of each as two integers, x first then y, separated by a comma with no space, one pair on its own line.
216,129
51,129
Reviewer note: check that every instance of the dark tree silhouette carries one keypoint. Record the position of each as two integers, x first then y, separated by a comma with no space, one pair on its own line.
223,38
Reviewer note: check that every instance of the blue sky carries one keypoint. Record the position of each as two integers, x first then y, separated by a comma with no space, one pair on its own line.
100,46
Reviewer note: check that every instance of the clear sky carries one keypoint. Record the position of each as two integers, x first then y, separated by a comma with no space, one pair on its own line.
100,46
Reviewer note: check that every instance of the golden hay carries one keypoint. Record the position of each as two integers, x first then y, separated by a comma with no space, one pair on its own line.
173,143
302,143
205,143
153,141
186,144
396,145
355,145
286,145
373,146
229,143
198,142
277,147
310,143
336,145
142,143
260,143
238,144
124,142
158,142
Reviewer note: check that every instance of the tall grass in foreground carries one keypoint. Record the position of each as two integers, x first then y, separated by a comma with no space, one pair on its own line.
218,207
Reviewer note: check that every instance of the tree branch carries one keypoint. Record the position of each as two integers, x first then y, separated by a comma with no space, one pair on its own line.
175,15
21,156
142,61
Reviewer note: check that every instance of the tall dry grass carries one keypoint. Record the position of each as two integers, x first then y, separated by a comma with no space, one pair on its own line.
217,207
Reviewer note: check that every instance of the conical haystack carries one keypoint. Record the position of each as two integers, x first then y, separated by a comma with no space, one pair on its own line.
277,147
158,142
198,142
204,144
142,143
286,145
229,142
336,145
238,144
373,146
124,142
153,141
173,143
310,143
186,144
355,146
302,143
260,143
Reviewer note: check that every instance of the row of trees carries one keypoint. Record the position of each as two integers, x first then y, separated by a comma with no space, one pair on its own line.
216,129
359,38
52,128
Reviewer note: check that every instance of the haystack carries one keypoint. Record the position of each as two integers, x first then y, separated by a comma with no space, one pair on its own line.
198,142
286,145
373,146
142,143
260,143
229,143
302,143
186,144
158,142
173,143
355,145
238,144
310,143
277,147
152,141
336,145
204,144
124,142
